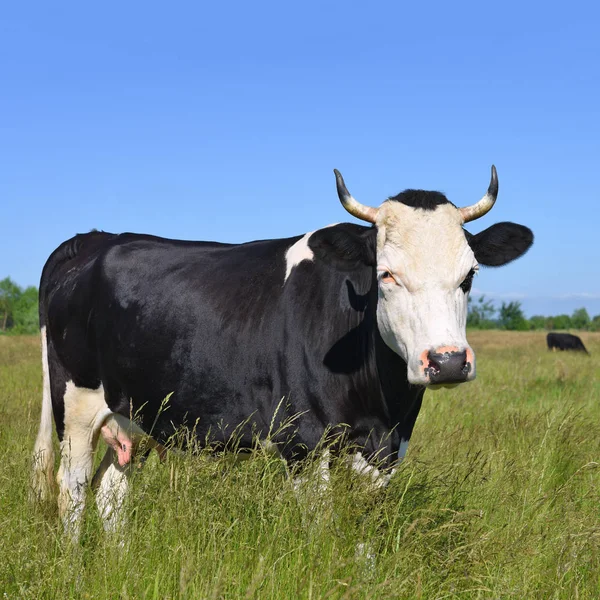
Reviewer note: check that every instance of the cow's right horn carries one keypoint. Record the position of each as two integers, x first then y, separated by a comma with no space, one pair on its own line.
355,208
470,213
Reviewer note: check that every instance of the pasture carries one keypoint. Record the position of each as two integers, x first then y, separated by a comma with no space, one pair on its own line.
498,497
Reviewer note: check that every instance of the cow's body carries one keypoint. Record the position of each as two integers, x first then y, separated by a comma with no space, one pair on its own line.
565,341
343,326
221,329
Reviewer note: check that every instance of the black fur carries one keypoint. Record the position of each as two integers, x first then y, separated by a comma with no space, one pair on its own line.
346,246
500,244
565,341
421,199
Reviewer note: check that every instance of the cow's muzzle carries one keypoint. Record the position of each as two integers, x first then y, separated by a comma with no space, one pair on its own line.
449,366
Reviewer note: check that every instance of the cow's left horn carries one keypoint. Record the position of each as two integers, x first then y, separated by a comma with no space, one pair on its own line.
360,211
470,213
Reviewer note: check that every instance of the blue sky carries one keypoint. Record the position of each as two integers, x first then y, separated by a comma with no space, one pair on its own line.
224,122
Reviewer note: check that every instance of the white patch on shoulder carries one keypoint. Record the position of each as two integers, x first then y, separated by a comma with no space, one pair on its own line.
299,251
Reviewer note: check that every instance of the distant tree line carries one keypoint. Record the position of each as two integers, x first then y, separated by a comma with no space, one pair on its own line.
484,315
18,308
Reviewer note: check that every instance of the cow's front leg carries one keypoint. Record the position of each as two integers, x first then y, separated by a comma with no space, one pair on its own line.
316,480
361,465
312,490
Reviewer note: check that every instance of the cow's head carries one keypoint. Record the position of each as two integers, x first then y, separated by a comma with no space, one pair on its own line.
425,262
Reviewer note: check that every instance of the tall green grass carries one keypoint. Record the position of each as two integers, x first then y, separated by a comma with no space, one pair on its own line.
499,497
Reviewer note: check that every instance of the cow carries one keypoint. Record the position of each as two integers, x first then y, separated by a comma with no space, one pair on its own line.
565,341
348,324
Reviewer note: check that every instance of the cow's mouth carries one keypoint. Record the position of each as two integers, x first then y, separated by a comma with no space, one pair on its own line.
439,386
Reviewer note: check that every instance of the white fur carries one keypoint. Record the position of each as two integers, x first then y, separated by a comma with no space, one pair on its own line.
429,257
297,253
43,452
360,464
365,554
112,491
322,475
313,492
85,412
86,415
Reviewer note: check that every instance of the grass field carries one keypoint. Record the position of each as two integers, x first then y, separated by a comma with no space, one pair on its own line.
499,497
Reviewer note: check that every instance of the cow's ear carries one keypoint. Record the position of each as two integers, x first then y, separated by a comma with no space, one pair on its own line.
345,246
499,244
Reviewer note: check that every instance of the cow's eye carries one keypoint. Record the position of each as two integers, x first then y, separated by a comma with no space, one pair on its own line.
465,286
386,277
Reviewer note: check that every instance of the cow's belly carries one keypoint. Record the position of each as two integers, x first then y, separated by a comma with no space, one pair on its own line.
203,408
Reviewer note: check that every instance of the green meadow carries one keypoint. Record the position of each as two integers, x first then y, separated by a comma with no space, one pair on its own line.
498,497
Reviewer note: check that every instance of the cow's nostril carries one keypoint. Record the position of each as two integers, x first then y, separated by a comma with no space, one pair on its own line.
433,368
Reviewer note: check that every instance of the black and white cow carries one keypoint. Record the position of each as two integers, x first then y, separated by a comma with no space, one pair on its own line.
565,341
348,324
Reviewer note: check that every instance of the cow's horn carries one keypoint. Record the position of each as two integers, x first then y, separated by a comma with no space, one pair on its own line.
470,213
360,211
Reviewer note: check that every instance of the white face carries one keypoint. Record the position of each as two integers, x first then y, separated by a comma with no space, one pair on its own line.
422,258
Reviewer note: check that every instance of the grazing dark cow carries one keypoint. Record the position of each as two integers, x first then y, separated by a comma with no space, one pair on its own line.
565,341
349,324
